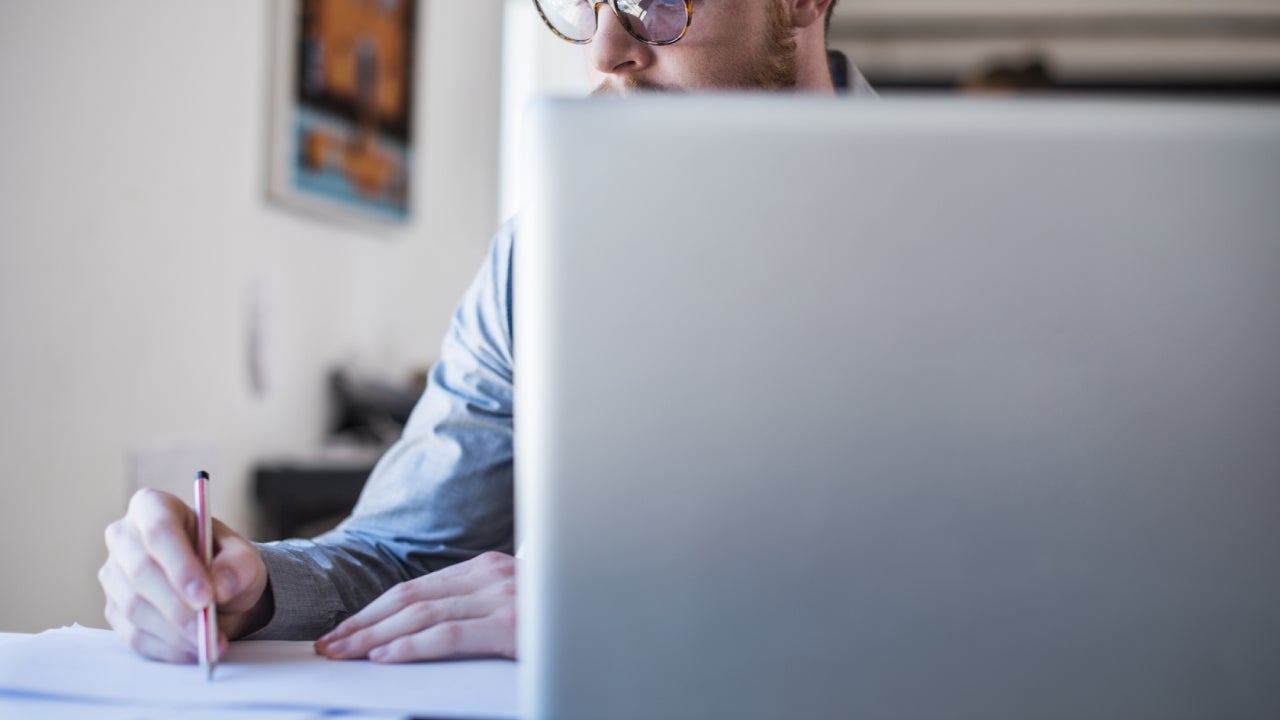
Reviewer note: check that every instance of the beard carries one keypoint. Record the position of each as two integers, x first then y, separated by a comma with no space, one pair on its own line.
776,66
629,85
773,66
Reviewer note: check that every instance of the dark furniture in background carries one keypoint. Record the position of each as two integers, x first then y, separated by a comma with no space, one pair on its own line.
302,499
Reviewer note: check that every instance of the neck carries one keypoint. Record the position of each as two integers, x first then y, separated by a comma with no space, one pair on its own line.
813,75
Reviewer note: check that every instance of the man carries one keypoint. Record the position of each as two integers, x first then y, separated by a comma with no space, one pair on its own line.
422,568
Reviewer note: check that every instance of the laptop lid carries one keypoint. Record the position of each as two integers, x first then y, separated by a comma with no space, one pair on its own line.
896,410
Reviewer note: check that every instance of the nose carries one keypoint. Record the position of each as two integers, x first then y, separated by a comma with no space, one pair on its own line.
614,52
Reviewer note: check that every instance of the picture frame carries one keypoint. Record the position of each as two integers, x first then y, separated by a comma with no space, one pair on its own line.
342,136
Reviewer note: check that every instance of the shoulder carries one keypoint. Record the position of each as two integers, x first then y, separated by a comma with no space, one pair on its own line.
483,320
500,252
501,245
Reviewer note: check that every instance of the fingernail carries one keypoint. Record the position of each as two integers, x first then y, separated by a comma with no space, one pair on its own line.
378,653
335,648
198,593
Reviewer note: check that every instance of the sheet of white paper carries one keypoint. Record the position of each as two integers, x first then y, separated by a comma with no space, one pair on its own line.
29,708
87,664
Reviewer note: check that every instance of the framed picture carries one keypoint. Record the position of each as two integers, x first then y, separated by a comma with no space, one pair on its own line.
342,108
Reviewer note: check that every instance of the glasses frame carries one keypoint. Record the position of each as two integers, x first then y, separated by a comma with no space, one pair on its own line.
622,17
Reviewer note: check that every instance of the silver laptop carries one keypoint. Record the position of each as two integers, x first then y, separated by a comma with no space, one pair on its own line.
912,409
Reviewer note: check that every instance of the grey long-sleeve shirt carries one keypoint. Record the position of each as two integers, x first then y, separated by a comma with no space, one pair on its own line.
441,494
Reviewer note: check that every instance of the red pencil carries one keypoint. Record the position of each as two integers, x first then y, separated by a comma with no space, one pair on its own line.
207,632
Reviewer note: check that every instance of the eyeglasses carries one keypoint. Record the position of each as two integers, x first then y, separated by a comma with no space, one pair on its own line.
653,22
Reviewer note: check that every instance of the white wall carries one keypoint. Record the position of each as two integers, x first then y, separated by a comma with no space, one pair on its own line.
133,226
535,64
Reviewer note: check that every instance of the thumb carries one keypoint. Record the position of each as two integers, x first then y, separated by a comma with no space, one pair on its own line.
238,572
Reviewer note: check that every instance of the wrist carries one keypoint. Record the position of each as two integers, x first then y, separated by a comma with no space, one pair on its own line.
261,613
242,624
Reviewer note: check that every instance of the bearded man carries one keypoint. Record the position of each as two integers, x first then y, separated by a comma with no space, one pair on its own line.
422,569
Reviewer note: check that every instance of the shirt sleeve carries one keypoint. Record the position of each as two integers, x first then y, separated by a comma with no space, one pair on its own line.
440,495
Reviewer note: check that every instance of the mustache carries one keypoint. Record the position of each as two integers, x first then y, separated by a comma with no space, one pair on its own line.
629,85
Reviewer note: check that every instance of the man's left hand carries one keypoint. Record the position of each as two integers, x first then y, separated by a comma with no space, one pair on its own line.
465,610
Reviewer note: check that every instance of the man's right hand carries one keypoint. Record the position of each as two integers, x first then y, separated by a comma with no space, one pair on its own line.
155,583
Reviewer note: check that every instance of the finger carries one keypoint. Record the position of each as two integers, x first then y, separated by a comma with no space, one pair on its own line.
239,574
137,624
489,636
166,527
448,582
129,572
155,648
412,619
460,579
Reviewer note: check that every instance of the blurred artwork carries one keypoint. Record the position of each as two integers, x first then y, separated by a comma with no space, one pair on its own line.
344,107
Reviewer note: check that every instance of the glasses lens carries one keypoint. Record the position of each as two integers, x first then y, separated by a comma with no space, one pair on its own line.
574,19
658,21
